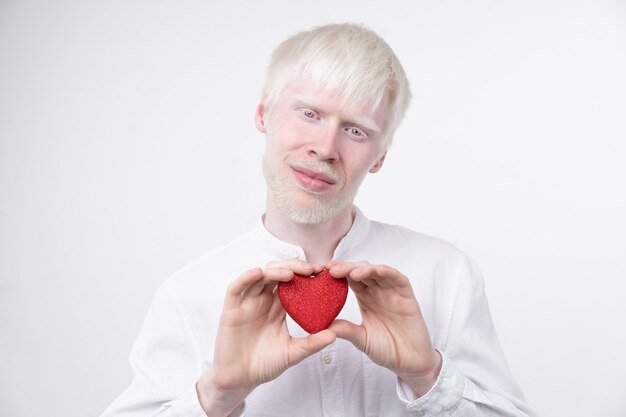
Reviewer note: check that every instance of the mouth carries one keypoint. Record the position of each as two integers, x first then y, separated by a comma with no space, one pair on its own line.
312,180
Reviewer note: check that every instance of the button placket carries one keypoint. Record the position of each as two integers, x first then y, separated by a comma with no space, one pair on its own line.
331,384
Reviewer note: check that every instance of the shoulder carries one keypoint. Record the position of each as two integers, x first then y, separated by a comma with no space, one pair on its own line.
405,240
206,277
424,258
436,267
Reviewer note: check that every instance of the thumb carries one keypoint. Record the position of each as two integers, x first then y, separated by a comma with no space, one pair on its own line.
349,331
304,347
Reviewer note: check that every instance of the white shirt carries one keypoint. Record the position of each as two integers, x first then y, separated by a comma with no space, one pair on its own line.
175,344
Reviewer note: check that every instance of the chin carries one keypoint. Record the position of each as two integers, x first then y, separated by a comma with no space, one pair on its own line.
309,216
303,206
311,212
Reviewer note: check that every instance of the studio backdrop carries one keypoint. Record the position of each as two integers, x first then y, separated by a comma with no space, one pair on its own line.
128,148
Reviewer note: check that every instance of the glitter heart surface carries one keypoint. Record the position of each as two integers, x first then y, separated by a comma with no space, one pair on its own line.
313,302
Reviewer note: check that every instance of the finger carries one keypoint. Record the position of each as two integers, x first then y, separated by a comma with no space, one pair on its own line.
276,309
344,269
252,282
330,264
372,283
356,287
364,273
237,287
297,266
355,334
271,277
259,287
302,348
278,274
270,290
379,275
389,277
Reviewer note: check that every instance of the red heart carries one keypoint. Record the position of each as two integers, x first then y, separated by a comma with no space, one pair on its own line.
313,302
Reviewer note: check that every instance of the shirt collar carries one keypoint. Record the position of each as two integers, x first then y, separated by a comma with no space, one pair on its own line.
285,250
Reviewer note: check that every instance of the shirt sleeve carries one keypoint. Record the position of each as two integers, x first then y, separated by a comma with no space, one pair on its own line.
164,360
474,380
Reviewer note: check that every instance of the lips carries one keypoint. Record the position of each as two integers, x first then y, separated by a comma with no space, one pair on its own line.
315,175
313,180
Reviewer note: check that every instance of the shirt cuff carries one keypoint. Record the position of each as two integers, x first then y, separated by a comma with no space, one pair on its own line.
444,396
188,405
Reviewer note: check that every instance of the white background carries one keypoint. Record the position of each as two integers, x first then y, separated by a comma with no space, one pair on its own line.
127,148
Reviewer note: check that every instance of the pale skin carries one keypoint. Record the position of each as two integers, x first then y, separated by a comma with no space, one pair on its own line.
393,333
253,345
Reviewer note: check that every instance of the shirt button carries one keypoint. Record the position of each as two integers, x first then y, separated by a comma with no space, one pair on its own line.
327,359
420,413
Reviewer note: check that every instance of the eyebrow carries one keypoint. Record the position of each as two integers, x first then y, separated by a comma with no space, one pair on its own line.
365,122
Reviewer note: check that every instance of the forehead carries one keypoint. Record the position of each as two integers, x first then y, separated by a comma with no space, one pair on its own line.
327,100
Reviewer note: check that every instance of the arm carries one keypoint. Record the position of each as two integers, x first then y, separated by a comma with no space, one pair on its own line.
467,378
252,346
164,362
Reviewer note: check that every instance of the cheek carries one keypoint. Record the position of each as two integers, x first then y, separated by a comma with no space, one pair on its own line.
284,134
295,137
358,159
296,130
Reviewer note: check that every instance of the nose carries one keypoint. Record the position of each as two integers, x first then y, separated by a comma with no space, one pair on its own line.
324,146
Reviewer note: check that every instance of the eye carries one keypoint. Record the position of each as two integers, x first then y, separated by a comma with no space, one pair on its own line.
309,114
356,132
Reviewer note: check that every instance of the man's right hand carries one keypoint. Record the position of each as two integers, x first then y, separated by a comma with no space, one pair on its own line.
253,345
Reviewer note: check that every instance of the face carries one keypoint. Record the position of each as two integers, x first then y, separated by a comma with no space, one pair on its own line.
318,151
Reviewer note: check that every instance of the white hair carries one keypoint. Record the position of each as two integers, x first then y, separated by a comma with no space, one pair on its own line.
349,60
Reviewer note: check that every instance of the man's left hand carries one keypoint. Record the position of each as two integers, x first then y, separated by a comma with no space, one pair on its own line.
393,333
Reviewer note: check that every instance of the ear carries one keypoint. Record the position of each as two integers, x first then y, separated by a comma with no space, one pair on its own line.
259,117
379,164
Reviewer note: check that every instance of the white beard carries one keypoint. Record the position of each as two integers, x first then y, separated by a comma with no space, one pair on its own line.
317,208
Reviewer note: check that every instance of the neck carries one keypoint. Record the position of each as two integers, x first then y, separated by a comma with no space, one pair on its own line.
317,240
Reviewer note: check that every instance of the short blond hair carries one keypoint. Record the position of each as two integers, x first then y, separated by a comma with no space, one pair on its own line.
345,58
